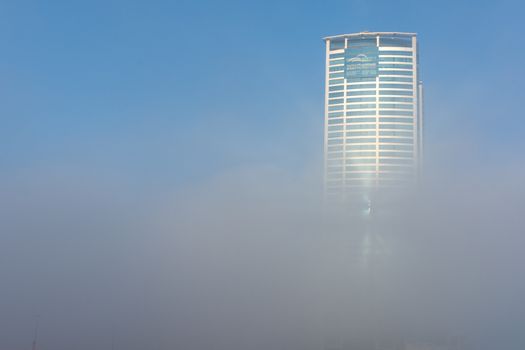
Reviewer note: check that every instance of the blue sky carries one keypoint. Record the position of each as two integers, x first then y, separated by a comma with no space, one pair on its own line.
173,92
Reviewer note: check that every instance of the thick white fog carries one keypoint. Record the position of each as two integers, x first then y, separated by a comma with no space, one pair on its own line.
251,259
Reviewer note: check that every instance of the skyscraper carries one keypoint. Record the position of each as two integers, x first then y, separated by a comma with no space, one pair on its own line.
373,112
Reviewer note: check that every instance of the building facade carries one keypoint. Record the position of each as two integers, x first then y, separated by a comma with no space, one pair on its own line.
373,112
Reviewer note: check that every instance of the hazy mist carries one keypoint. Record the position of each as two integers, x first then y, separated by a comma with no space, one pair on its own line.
251,259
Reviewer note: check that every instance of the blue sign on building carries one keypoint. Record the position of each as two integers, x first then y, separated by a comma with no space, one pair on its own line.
361,62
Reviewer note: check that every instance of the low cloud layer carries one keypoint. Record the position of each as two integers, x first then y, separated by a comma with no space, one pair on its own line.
251,259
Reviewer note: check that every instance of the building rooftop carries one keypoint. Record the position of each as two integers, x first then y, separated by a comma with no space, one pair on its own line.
368,34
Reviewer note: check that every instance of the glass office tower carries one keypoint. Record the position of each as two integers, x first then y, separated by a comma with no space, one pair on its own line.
373,112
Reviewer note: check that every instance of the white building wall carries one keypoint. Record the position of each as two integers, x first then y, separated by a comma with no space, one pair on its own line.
373,128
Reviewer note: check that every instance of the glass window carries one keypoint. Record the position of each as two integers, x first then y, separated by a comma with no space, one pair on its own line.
387,112
355,186
395,99
336,68
396,154
395,65
360,79
335,121
396,126
396,120
336,101
336,88
360,126
333,155
336,108
394,140
335,141
361,153
361,140
334,162
335,148
361,93
363,179
337,55
396,147
400,79
360,147
361,86
396,133
336,94
395,161
336,44
360,161
335,114
358,113
361,168
362,41
395,105
334,169
396,92
395,86
393,72
361,133
395,41
361,175
361,99
361,106
336,62
396,53
360,120
335,134
394,168
335,127
336,75
336,81
395,59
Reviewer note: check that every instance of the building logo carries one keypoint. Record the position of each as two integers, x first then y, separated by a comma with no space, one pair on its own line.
361,62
